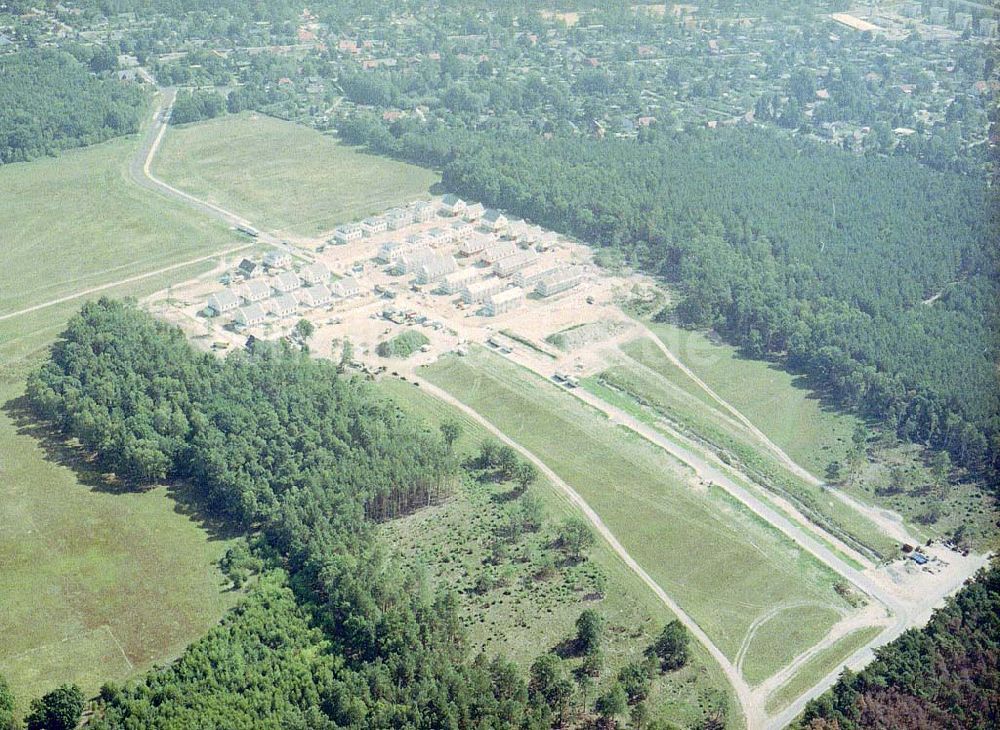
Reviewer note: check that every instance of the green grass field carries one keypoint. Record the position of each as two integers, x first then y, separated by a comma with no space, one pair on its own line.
819,666
75,222
723,565
527,616
777,402
95,586
665,391
284,176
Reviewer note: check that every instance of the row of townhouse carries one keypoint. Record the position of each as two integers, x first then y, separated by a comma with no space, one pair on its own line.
393,219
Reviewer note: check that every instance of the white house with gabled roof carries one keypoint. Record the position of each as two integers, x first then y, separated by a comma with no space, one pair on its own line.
222,301
316,273
451,204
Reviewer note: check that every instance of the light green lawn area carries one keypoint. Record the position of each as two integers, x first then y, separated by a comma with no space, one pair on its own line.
804,626
776,401
75,222
284,176
95,586
819,666
722,564
663,391
527,616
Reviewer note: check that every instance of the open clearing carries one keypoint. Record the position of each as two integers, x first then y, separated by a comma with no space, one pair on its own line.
75,222
285,176
653,381
95,586
777,403
654,506
527,616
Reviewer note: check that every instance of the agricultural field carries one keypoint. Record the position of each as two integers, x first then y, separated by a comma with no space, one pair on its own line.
660,513
96,585
524,614
284,176
77,222
652,382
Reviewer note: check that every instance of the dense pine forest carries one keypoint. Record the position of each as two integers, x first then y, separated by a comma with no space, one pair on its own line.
871,274
307,460
941,676
52,100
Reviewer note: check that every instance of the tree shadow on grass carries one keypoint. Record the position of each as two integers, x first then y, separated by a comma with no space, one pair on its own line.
68,453
61,450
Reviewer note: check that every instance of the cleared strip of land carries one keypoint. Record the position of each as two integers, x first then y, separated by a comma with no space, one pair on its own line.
652,381
697,542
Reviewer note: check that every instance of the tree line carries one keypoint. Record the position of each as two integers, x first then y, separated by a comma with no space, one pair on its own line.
51,100
942,676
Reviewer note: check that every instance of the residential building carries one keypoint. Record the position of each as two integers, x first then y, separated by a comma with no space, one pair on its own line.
474,212
456,281
398,218
510,264
250,269
478,291
314,296
376,224
255,291
408,263
439,236
452,205
504,301
316,273
347,287
498,250
277,260
423,211
222,302
963,21
460,230
285,282
436,268
282,306
493,220
348,233
250,315
987,27
474,243
938,15
559,281
529,276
